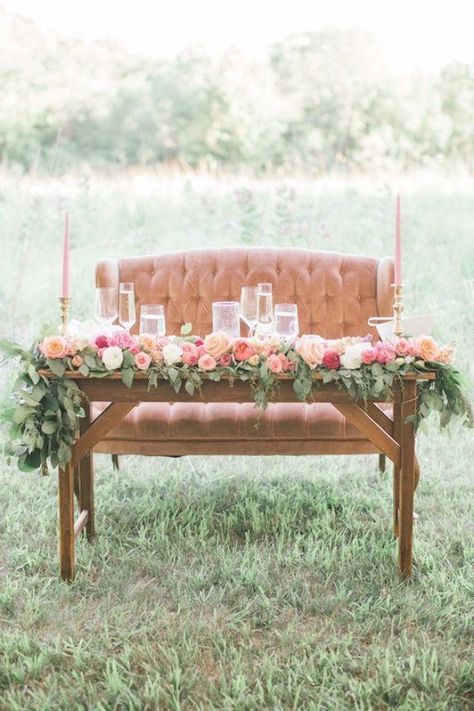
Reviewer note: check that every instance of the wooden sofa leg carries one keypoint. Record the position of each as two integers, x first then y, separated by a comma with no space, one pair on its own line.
66,522
382,462
116,462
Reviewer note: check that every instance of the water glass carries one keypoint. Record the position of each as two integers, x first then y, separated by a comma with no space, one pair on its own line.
106,304
152,319
286,321
264,309
226,317
127,313
248,306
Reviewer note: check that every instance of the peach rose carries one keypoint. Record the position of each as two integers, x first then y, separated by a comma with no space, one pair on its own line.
243,350
54,347
147,342
311,350
157,356
446,354
275,364
77,361
216,344
427,348
207,362
142,360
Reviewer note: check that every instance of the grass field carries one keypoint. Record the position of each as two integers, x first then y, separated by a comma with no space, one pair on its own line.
239,583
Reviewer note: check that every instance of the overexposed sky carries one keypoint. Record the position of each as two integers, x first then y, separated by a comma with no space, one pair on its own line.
417,34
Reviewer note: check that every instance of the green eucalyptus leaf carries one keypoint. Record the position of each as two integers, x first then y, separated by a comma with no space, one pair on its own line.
127,377
56,366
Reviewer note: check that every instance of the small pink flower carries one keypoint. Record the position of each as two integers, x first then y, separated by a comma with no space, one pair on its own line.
101,341
198,342
207,362
123,340
142,360
402,347
190,353
77,361
274,363
369,355
226,359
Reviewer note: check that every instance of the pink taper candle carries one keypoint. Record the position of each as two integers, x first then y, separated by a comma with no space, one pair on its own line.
65,288
398,246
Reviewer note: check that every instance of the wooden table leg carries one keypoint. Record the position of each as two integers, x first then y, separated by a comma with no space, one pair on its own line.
87,481
397,420
66,522
407,479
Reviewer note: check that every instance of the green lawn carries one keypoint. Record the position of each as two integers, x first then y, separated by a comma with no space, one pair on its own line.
239,583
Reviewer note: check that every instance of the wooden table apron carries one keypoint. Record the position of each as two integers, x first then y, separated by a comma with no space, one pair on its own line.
392,435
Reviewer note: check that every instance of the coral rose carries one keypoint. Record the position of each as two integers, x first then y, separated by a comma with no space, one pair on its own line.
54,347
331,360
243,350
311,350
142,360
207,362
216,344
427,348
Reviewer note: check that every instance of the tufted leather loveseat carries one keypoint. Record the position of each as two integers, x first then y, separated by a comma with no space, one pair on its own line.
335,294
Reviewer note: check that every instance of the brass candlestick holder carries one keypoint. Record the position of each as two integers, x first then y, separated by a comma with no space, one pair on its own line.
398,310
64,302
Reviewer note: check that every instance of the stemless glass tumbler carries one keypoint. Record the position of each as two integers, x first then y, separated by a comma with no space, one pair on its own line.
226,317
152,319
286,321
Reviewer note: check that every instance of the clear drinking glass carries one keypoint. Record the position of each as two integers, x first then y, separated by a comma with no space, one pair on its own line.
127,313
264,309
248,306
106,304
286,321
152,319
226,317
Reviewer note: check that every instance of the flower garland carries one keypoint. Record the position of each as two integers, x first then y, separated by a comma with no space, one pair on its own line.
46,411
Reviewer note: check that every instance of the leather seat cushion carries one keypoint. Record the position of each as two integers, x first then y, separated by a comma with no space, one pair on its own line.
211,421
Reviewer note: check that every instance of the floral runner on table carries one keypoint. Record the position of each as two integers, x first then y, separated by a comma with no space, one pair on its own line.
45,413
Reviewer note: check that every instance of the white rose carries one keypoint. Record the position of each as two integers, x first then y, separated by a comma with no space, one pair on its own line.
112,357
172,354
352,357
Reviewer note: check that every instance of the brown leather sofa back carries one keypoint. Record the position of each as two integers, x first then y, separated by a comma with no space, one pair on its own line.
335,293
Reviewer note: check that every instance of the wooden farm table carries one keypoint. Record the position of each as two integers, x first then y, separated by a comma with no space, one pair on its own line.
391,434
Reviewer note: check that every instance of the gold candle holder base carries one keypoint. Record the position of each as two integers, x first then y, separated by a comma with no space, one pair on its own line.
64,302
398,310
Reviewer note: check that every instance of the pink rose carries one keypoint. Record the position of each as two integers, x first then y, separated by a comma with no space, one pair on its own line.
385,353
216,344
274,364
101,341
142,360
243,350
402,347
369,355
226,360
207,362
311,350
288,365
54,347
190,353
77,361
201,351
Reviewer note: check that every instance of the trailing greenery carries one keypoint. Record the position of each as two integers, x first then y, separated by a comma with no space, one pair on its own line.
44,417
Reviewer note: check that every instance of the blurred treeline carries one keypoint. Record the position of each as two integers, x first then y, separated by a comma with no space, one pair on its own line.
316,103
